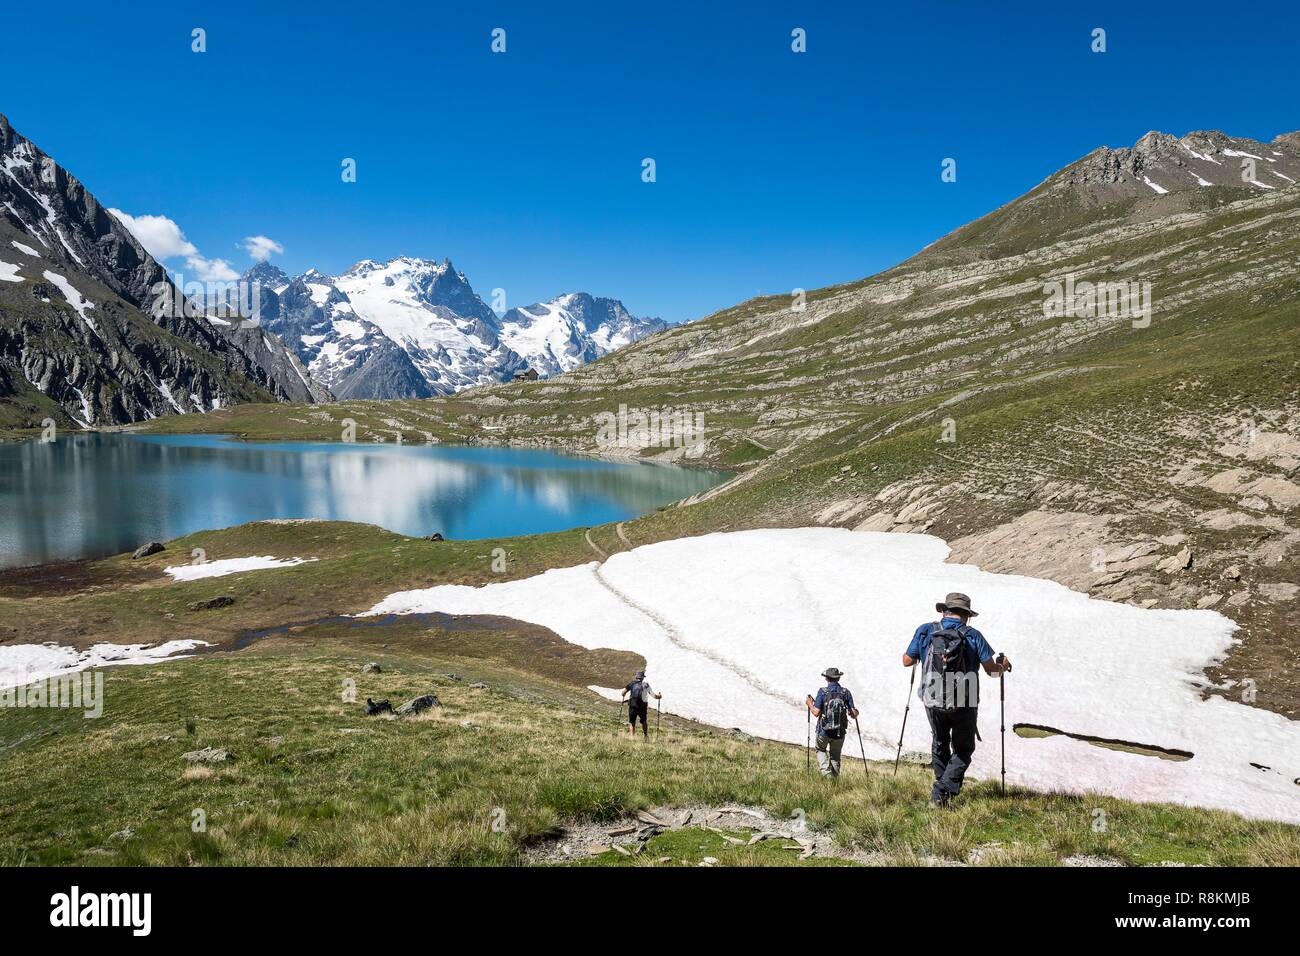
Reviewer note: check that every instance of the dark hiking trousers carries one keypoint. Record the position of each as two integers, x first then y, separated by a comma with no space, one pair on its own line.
952,744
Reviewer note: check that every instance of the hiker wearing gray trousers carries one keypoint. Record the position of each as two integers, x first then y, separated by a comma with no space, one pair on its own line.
833,706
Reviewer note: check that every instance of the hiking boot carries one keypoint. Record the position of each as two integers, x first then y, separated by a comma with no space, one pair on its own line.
939,803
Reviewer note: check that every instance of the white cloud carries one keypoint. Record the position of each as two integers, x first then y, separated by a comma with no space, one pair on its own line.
261,248
160,236
211,270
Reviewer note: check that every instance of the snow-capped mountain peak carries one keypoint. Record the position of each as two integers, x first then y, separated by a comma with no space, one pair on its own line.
571,330
412,327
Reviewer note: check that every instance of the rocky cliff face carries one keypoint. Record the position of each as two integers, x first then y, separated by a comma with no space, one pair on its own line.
92,327
1160,164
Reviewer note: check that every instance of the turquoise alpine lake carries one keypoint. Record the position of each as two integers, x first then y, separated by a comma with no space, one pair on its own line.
92,495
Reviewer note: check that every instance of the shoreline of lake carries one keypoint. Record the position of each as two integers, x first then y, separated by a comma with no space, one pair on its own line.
94,494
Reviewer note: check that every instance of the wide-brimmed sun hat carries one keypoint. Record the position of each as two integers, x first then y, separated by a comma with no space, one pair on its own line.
832,673
956,601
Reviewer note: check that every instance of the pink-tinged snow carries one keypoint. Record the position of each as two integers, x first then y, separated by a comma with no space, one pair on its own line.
74,298
21,664
9,272
736,628
219,569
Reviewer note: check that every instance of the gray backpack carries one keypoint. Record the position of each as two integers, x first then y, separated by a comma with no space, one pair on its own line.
834,719
949,678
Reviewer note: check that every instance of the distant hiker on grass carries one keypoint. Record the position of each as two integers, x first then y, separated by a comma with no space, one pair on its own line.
638,694
951,652
833,706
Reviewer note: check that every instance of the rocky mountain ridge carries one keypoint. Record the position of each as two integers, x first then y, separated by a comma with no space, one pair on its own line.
413,328
93,330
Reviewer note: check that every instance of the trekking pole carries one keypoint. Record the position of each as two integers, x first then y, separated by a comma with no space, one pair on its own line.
861,749
658,712
807,744
1002,703
911,681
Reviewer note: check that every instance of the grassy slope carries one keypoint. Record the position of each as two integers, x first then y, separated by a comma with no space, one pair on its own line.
124,601
299,790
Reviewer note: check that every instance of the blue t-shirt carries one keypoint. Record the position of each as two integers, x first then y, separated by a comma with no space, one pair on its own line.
920,645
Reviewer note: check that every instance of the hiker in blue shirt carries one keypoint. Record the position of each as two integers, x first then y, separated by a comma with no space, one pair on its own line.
951,652
833,706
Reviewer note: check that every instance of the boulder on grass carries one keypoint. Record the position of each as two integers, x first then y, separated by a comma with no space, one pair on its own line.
221,600
378,707
153,547
418,705
207,755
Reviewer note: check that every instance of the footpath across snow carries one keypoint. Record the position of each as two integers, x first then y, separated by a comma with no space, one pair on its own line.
736,627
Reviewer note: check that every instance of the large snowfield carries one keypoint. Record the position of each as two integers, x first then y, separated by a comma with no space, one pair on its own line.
736,627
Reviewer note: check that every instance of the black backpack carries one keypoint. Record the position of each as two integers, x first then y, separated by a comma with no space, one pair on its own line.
834,719
949,678
635,691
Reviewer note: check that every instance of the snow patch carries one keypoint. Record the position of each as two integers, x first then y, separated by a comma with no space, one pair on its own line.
87,416
736,627
1202,156
21,664
219,569
74,298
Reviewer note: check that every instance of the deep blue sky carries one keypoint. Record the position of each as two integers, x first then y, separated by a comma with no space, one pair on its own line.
775,170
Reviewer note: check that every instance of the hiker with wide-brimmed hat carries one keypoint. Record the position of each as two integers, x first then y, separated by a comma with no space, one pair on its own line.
638,694
950,653
833,706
